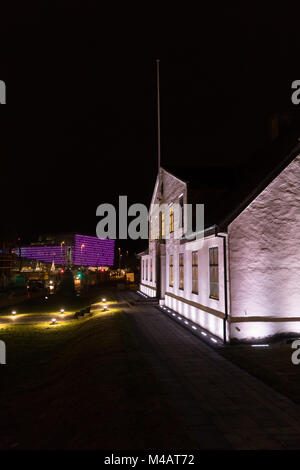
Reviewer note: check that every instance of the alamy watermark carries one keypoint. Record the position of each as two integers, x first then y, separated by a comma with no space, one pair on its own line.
164,220
2,352
2,92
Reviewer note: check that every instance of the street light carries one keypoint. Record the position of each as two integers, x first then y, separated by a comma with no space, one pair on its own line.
82,246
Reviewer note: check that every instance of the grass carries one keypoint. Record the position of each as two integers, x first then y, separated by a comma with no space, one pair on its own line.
52,306
82,385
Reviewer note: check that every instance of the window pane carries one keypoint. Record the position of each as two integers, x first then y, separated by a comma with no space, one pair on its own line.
214,272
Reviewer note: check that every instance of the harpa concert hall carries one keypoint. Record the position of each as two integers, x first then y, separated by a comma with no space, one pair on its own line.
70,249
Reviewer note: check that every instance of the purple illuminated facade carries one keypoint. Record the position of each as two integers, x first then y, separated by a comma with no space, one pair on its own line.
93,251
84,251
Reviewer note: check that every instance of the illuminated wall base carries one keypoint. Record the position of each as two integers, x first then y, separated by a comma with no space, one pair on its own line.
208,321
148,290
259,330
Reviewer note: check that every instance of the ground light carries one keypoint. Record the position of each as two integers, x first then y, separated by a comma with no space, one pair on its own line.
182,319
103,300
62,311
105,307
53,321
13,312
46,298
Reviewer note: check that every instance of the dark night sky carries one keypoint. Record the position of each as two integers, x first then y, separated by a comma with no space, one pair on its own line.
80,125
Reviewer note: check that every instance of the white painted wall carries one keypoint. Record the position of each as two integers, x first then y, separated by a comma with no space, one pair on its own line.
173,189
212,323
264,243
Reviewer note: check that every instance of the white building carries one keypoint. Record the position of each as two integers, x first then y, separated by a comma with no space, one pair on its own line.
242,281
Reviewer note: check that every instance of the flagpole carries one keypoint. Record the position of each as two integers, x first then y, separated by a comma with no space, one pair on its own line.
158,115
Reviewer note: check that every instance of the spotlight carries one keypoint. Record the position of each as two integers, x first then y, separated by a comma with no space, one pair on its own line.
103,300
53,321
13,312
62,310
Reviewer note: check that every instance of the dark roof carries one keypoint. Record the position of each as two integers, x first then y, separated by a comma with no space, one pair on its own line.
226,192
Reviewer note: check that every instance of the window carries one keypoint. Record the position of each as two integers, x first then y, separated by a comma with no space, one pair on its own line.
162,226
181,271
171,272
146,270
171,219
214,273
195,272
151,270
181,214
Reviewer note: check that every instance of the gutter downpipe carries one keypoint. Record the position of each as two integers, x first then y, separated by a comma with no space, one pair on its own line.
225,286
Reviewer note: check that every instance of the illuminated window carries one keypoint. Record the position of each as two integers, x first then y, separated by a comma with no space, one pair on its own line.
195,272
181,271
162,227
214,273
171,219
171,271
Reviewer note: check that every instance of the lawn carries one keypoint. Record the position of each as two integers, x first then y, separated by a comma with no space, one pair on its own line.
53,304
82,385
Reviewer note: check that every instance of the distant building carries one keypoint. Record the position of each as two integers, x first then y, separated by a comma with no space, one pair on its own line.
7,264
71,250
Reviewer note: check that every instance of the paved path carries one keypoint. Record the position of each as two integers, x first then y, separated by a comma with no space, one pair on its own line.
223,406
